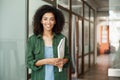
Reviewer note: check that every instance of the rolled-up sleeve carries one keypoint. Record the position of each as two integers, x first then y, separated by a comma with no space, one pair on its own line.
30,57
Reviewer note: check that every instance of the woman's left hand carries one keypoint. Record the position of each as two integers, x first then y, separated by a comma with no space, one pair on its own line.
61,62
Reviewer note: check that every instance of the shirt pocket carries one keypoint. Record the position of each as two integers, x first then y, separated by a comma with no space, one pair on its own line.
38,54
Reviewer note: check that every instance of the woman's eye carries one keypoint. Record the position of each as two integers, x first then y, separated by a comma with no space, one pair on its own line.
52,19
45,19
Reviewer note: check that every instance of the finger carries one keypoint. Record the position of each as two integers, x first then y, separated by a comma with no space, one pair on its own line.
56,63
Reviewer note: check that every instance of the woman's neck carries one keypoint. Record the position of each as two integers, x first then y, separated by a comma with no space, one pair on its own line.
47,37
48,33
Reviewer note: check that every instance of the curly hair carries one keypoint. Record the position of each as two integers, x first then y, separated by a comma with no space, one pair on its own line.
59,18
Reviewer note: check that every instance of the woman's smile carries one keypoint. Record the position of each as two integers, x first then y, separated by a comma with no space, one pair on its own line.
48,21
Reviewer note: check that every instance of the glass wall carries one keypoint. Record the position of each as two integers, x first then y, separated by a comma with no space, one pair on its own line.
12,40
86,37
76,44
66,26
64,3
92,43
80,46
80,36
91,15
82,50
86,11
77,7
73,43
91,37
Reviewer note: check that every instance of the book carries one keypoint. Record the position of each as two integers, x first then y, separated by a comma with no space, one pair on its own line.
61,47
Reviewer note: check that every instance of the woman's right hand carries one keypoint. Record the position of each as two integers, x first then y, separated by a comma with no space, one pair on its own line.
52,61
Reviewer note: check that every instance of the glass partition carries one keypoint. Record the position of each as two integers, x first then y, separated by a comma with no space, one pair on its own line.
77,7
86,45
91,37
91,15
12,40
76,45
86,37
80,36
64,3
66,26
86,11
73,44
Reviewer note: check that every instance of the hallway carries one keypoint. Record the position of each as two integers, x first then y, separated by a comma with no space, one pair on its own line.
100,71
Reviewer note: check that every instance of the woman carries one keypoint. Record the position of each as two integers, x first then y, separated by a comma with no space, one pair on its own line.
41,54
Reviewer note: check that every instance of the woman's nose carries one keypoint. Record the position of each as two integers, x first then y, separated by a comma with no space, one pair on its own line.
48,21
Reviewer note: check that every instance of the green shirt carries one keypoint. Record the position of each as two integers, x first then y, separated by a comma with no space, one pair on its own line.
35,51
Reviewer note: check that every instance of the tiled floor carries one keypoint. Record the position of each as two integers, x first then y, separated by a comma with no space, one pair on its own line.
100,71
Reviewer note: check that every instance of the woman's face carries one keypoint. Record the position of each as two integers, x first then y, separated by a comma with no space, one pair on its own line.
48,21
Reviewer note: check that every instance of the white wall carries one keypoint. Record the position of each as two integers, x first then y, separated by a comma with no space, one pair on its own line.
114,23
12,39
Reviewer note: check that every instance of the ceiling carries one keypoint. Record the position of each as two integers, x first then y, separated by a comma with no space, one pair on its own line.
101,6
106,5
114,5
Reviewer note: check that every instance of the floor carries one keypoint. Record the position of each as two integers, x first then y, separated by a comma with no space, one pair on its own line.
100,71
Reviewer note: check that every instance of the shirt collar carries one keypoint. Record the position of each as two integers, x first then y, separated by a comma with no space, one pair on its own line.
40,35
